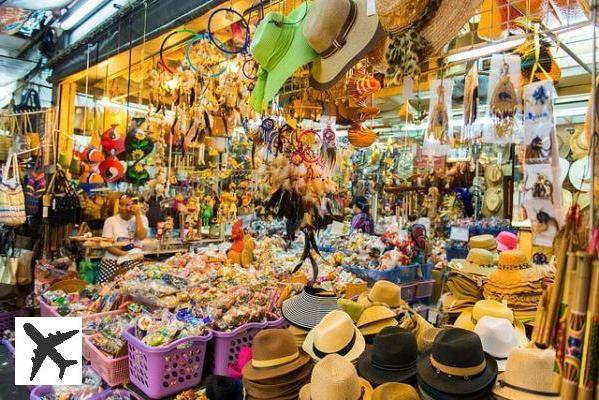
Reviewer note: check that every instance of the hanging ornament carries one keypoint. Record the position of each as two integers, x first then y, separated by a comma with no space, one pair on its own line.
113,142
112,169
504,103
439,122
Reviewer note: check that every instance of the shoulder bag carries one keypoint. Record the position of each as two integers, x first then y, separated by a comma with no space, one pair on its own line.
12,199
64,207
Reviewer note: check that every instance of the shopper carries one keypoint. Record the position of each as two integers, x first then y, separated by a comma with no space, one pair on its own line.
362,220
127,226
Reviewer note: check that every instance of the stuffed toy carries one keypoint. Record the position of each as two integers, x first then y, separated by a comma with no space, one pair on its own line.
137,174
113,142
242,250
91,158
112,169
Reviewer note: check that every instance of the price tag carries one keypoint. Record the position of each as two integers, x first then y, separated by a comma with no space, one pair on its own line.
459,234
370,8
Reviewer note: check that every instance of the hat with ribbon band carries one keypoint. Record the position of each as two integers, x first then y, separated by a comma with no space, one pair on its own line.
335,334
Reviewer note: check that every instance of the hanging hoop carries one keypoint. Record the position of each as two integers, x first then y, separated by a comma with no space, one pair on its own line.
162,62
194,40
244,24
244,69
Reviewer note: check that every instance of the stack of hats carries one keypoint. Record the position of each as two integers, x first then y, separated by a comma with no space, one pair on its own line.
480,262
506,240
392,358
335,334
486,242
335,378
456,367
374,318
516,282
278,369
306,309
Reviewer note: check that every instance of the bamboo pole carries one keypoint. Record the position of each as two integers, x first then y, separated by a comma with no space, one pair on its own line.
590,356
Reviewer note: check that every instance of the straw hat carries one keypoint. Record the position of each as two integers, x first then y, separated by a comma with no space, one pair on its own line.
336,333
518,383
352,308
335,378
493,199
486,242
493,175
383,292
426,338
395,391
280,48
564,168
375,318
306,309
563,141
342,33
398,15
299,334
579,145
506,240
498,337
477,262
580,174
483,308
275,353
513,269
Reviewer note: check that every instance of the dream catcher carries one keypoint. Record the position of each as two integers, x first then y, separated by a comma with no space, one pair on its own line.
439,119
504,102
471,96
329,142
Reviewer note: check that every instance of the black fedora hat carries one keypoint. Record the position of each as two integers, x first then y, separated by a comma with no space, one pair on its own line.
392,358
220,387
457,364
428,393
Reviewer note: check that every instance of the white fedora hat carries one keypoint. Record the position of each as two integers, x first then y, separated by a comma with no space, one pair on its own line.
499,338
335,334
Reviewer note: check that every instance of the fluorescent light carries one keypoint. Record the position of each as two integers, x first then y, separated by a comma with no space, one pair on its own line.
478,51
79,13
99,16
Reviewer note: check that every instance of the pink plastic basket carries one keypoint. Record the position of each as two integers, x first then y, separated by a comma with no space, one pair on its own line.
165,370
425,289
46,310
115,371
7,319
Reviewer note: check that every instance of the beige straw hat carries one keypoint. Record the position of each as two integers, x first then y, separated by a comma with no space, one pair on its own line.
342,33
395,391
383,292
336,333
335,378
478,262
398,15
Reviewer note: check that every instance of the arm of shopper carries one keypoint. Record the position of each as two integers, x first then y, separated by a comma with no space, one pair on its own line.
140,226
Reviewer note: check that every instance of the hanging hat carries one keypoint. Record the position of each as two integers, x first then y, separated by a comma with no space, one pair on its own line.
375,318
138,144
395,391
493,198
274,354
342,33
137,174
486,242
567,200
112,169
563,141
307,309
493,175
279,46
581,174
478,262
499,338
335,378
383,292
457,365
579,145
337,334
506,240
399,15
564,168
223,388
361,136
392,358
113,142
529,375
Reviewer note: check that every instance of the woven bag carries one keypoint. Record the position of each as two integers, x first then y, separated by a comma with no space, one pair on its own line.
12,199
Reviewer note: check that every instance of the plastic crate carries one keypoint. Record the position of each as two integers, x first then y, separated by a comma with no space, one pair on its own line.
115,371
38,392
427,271
46,310
226,345
166,370
280,323
425,288
7,319
408,292
455,252
400,274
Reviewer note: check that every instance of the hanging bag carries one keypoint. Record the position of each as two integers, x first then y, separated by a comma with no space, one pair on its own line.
8,262
36,185
12,199
64,207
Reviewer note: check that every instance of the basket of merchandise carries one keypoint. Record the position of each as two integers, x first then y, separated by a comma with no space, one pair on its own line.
115,371
425,289
400,274
115,394
426,270
91,388
163,370
91,300
7,318
455,251
46,392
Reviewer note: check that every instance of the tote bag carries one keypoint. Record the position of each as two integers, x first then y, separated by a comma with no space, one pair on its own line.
12,199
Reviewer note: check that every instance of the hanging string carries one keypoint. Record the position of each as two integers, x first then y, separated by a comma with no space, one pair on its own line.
143,55
86,90
129,76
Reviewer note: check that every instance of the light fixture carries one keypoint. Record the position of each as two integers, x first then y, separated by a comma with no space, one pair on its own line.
478,51
79,13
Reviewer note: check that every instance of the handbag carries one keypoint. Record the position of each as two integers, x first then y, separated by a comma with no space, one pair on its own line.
36,185
8,270
64,207
24,275
12,198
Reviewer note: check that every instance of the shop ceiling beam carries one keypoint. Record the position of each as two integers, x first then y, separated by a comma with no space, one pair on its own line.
162,15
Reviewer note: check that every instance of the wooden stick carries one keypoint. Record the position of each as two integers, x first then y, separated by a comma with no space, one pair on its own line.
561,330
576,327
590,358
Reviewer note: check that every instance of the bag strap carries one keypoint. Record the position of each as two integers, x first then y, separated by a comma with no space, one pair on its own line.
11,163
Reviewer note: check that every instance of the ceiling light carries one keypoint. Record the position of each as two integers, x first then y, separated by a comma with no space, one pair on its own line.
79,13
478,51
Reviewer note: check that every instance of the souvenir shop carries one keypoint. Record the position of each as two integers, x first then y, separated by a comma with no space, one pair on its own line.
314,200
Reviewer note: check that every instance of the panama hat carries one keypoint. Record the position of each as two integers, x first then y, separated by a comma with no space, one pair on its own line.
579,145
274,353
375,318
493,175
478,262
280,48
493,198
457,365
337,334
223,388
392,358
506,240
335,378
395,391
486,242
580,174
563,141
383,292
342,33
399,15
499,338
529,375
306,309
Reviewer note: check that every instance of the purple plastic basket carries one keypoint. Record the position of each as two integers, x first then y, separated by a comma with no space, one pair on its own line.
7,319
10,348
280,323
162,371
408,292
226,345
40,391
425,288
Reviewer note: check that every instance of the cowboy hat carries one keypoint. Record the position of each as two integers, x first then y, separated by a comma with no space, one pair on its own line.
280,48
335,378
342,33
563,141
306,309
457,365
478,262
337,334
395,391
274,354
506,240
383,292
499,338
392,358
518,383
579,145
